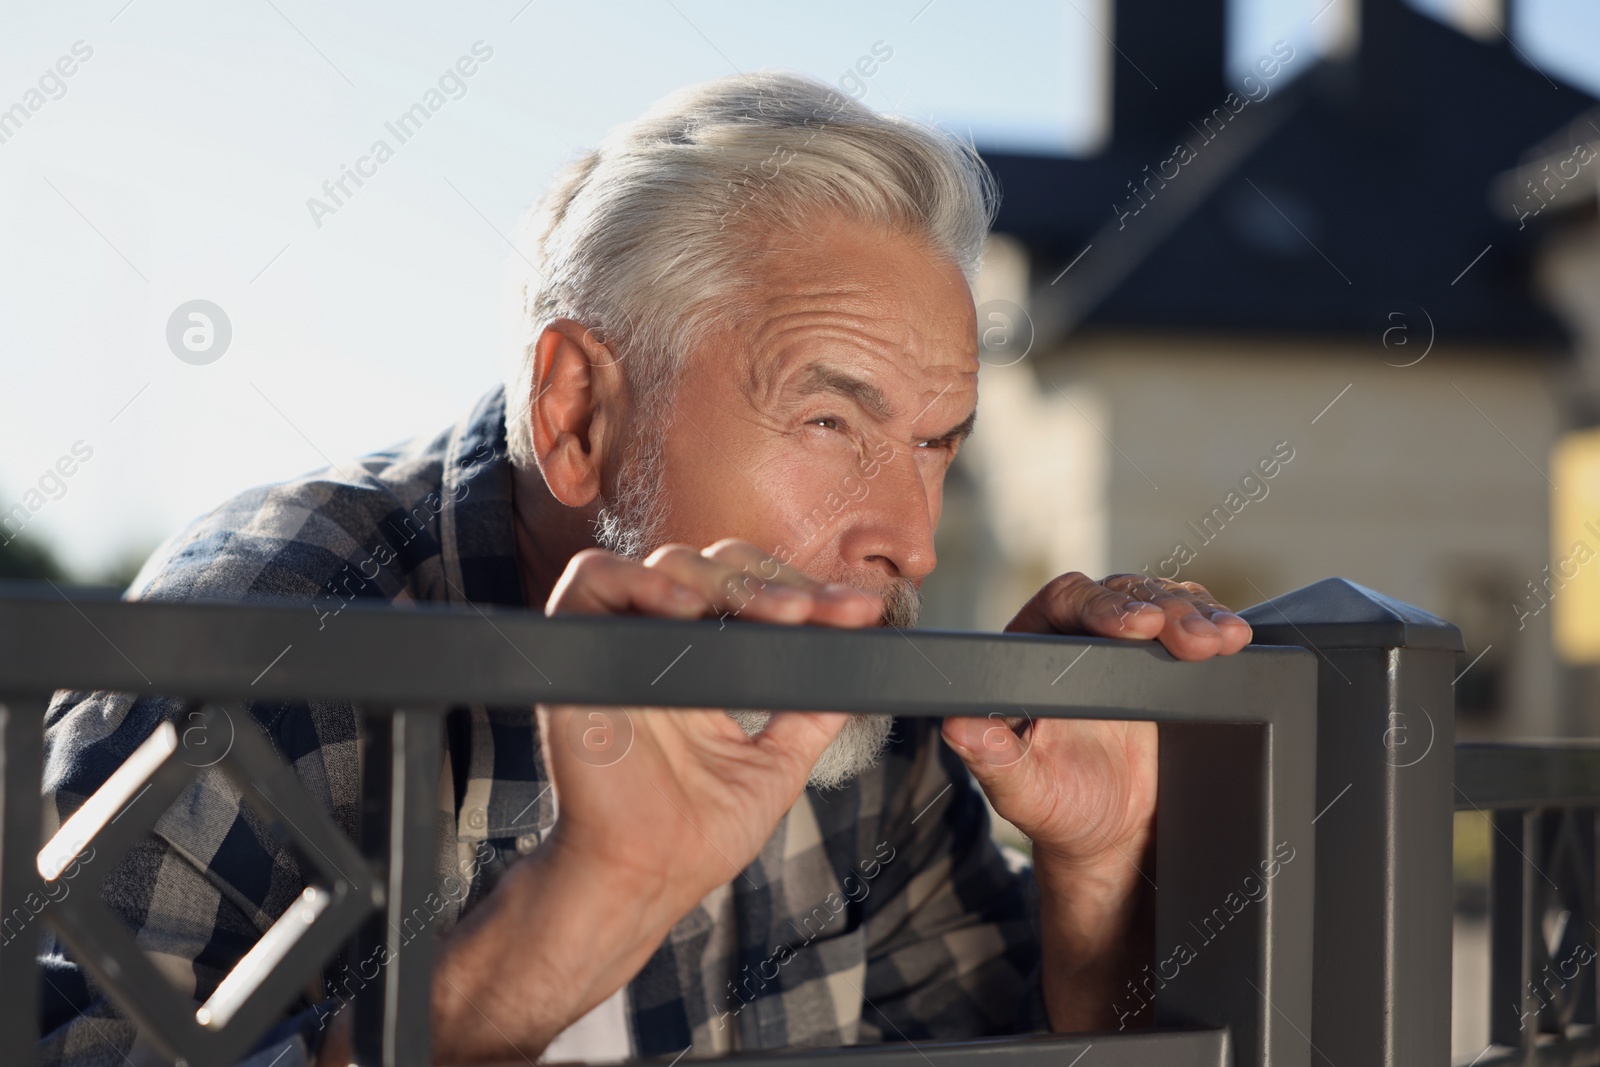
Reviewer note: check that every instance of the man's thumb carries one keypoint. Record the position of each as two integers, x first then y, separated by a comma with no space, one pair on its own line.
992,750
798,738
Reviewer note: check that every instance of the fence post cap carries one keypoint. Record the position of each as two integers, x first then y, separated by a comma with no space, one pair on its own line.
1338,613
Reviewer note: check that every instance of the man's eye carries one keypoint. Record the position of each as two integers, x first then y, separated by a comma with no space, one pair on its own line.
828,423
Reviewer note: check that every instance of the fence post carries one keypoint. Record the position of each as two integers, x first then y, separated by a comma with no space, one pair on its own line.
21,760
399,801
1385,776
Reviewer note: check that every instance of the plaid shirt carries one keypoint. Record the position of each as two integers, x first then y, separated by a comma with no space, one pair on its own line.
882,911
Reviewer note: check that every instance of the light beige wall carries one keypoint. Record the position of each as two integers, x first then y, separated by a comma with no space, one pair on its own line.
1569,279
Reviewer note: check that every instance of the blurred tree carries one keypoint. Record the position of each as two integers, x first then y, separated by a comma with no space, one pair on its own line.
22,557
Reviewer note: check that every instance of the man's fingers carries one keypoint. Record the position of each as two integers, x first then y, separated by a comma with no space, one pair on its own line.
731,578
599,583
992,742
1076,604
725,589
1236,632
1078,788
1197,626
735,554
749,568
1234,629
1187,619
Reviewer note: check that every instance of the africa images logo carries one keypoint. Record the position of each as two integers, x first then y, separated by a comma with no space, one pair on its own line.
452,85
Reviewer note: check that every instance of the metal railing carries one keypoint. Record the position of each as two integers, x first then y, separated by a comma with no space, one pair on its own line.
1345,958
1541,801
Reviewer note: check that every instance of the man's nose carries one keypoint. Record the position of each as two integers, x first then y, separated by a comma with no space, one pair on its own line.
894,522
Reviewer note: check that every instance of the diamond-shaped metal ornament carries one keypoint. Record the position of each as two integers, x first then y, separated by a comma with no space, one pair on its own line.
251,998
1563,972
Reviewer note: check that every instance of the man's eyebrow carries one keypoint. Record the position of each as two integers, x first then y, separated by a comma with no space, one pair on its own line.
960,431
821,378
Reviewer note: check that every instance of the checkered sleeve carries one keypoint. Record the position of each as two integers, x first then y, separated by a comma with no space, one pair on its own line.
212,877
952,944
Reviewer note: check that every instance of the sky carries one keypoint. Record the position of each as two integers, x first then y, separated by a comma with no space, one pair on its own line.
181,158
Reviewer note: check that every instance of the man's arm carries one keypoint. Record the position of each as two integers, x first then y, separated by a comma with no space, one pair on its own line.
551,942
1084,791
1096,924
640,841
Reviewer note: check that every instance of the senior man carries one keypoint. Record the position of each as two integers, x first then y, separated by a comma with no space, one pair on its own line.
750,360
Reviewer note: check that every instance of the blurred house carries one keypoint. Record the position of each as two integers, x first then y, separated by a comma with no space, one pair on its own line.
1331,271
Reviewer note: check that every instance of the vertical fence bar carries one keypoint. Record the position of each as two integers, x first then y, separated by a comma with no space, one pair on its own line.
21,764
1580,930
399,795
1212,948
1236,867
371,1002
1385,782
1513,928
1589,1007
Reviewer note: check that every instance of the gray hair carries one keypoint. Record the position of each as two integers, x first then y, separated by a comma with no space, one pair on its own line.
646,238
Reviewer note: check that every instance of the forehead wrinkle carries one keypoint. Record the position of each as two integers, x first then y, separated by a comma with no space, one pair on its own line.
768,351
845,313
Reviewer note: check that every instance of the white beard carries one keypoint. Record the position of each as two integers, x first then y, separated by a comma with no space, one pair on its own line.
858,747
630,524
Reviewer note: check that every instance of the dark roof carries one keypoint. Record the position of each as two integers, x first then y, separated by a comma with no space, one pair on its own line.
1358,190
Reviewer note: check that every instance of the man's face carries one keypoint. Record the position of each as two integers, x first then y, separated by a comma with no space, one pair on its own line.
821,427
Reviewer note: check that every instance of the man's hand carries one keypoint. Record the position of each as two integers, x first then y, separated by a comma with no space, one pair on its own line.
730,577
1083,790
656,809
1183,616
694,799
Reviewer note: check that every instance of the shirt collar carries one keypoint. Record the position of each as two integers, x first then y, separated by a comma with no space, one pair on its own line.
477,531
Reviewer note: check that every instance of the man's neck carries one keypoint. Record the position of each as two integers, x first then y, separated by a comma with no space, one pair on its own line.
549,534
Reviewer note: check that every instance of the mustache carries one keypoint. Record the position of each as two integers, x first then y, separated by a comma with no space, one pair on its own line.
902,604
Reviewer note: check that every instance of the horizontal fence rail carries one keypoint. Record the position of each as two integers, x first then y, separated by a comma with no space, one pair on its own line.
433,655
1556,774
1254,751
1184,1048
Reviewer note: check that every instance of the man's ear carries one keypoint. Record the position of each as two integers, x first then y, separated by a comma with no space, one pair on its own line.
577,386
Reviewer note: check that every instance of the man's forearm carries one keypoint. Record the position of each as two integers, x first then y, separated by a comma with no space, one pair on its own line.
549,944
1096,924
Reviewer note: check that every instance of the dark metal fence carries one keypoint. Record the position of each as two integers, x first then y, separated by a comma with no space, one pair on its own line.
1541,801
1341,749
